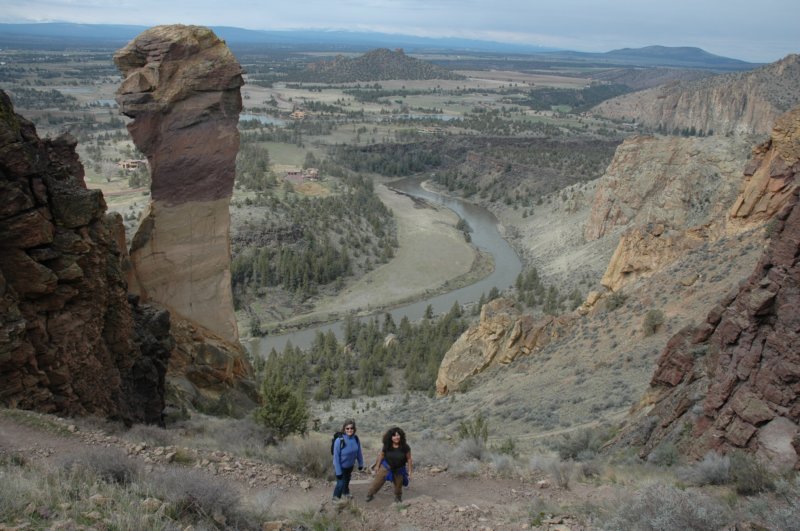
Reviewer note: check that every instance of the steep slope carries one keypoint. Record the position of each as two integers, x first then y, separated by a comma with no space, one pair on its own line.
746,102
732,381
71,341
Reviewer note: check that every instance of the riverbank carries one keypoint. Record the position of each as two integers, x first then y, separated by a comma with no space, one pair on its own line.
433,257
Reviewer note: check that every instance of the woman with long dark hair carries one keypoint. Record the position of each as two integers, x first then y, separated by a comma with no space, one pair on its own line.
394,464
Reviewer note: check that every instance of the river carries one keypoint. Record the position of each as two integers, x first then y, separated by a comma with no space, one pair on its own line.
485,236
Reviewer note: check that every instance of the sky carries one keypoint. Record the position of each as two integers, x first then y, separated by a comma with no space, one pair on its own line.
757,31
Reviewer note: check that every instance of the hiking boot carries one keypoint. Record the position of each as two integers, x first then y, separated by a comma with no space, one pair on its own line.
369,497
398,498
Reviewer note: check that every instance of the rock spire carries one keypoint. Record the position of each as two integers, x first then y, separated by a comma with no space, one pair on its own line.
181,88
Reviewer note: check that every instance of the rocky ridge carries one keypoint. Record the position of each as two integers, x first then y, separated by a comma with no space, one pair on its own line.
746,102
733,380
71,340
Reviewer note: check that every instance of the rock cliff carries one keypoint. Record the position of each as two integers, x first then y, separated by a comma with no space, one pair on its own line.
675,181
181,88
72,342
501,335
732,381
674,195
747,102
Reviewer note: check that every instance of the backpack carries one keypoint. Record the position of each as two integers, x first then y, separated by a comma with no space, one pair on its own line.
340,435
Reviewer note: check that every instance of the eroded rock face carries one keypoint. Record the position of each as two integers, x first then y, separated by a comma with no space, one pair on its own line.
747,102
71,342
181,88
771,175
674,181
733,380
501,335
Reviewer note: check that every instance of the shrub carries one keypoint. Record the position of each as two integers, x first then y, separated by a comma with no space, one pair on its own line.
193,493
615,300
503,465
477,429
657,507
561,472
109,464
748,474
305,456
152,435
665,454
714,469
508,447
652,320
582,444
469,449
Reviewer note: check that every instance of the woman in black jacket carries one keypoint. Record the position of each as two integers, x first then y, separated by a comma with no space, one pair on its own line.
394,464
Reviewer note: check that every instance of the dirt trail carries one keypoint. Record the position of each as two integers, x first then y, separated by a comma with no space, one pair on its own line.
436,499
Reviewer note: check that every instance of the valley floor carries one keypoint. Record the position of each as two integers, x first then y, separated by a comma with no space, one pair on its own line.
432,257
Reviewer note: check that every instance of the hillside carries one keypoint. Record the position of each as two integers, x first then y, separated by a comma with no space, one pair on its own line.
377,65
639,78
746,102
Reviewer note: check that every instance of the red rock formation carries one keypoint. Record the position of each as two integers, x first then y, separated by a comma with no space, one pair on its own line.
734,381
181,88
70,340
770,177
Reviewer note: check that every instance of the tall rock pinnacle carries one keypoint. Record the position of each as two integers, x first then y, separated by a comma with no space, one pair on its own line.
181,88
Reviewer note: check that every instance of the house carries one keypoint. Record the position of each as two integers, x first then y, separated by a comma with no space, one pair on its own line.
312,174
131,164
298,115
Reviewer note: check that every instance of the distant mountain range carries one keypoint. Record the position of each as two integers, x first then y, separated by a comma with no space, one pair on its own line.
59,36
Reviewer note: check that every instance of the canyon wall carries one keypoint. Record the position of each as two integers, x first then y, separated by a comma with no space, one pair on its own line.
733,381
747,102
72,341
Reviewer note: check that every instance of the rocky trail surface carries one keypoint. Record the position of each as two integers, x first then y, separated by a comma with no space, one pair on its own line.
436,499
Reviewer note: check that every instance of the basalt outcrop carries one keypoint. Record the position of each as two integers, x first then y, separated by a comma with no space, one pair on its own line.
72,341
747,102
181,88
733,381
502,335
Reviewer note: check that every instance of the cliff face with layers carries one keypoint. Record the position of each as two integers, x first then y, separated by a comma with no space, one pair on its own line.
746,102
71,340
181,88
734,380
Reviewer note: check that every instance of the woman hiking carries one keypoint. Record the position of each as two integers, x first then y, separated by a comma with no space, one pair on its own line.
394,464
346,450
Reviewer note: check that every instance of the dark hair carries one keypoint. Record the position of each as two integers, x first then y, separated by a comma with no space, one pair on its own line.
347,423
387,439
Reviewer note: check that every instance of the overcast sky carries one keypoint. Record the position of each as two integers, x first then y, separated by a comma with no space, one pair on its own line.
760,31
